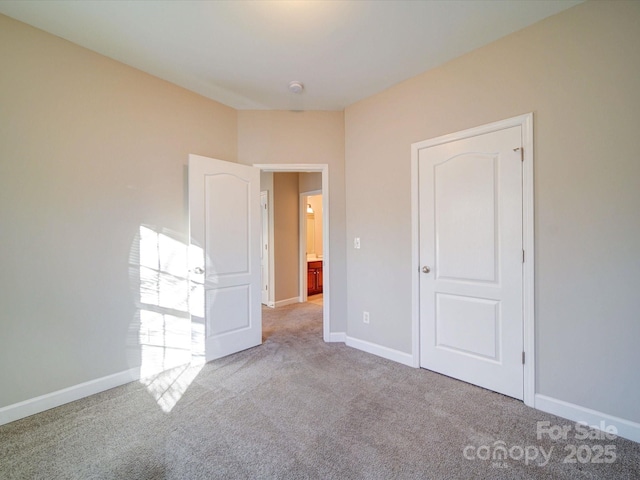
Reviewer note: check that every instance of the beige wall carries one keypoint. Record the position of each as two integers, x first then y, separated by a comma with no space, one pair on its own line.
579,73
286,234
90,150
305,137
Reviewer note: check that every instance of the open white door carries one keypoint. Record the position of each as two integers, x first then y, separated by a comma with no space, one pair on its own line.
224,219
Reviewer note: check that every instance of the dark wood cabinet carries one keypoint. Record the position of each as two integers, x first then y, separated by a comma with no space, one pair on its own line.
314,277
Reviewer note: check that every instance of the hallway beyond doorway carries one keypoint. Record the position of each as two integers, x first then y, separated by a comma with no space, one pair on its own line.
315,299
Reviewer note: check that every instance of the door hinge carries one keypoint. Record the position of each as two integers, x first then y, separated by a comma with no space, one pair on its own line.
523,358
522,256
521,153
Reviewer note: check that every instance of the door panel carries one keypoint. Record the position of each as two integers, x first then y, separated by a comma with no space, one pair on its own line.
468,325
470,199
264,247
225,229
466,224
231,304
227,199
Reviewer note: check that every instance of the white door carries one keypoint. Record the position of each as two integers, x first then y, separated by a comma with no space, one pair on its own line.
471,310
264,247
224,220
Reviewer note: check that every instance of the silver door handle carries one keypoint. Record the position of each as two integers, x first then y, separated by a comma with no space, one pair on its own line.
425,269
198,270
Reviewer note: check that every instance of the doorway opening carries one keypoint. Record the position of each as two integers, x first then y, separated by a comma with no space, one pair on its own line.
311,247
301,208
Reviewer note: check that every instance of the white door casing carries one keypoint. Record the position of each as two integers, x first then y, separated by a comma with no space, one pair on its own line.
264,247
225,226
327,334
468,192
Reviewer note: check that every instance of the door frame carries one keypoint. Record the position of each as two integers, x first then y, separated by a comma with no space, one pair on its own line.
303,241
266,226
322,168
528,298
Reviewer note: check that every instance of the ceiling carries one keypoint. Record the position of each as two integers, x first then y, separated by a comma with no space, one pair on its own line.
245,53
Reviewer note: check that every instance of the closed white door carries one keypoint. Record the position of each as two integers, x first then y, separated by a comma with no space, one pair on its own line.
264,247
471,300
224,214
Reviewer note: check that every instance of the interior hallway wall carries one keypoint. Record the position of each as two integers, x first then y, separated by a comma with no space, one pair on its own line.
286,236
309,182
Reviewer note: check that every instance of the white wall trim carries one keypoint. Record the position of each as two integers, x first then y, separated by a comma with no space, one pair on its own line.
23,409
326,250
626,428
269,243
287,301
380,351
528,241
526,122
338,337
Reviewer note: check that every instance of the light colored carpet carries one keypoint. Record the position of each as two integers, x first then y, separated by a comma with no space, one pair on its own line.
297,408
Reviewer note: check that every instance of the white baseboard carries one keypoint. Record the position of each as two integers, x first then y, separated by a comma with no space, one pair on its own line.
626,428
336,337
19,410
379,350
287,301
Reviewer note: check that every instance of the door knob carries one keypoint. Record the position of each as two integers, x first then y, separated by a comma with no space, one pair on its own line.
198,270
425,269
